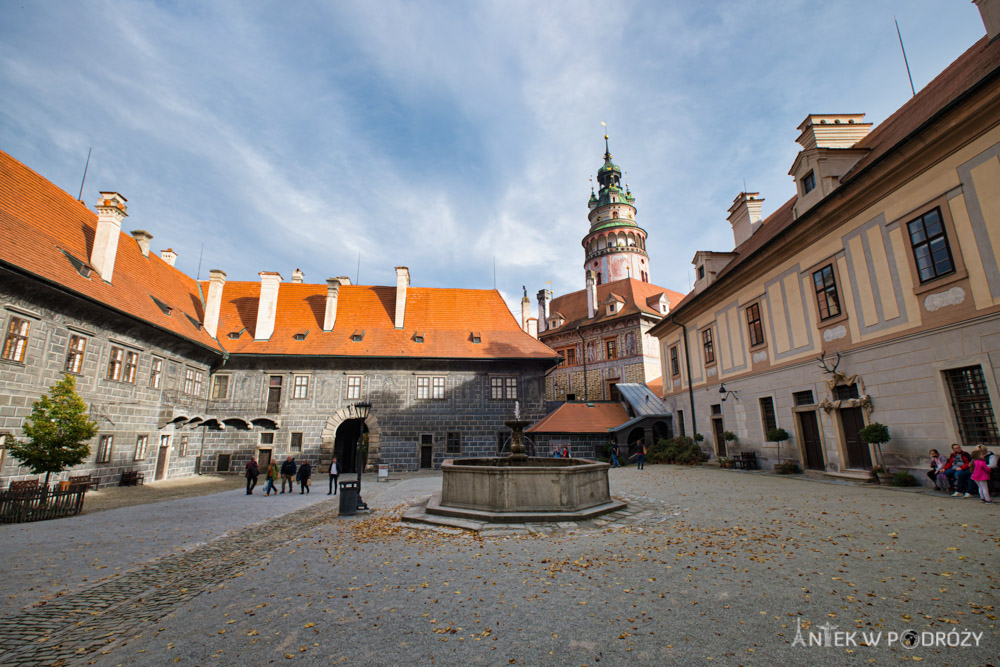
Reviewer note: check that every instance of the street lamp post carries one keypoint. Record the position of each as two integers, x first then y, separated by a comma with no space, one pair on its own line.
360,411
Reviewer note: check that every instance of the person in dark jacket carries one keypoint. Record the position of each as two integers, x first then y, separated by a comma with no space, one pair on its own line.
251,474
305,472
959,472
334,472
288,469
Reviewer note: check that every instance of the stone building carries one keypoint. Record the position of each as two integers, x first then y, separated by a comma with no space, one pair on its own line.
872,295
182,375
602,331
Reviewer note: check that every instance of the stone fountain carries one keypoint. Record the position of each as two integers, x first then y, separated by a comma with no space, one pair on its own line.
520,488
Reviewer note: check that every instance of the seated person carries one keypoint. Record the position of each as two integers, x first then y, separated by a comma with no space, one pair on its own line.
959,472
936,473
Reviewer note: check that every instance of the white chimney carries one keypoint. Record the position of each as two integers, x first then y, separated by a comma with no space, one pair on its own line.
344,280
213,302
142,237
525,310
989,10
744,216
267,306
297,276
332,295
168,256
533,327
111,210
591,294
402,282
544,297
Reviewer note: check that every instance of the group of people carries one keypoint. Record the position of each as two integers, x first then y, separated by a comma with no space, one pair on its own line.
289,473
639,454
961,473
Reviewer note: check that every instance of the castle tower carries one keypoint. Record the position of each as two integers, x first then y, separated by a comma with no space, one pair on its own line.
615,247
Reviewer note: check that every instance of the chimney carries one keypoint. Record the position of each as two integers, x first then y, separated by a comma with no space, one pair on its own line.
829,130
332,294
142,237
744,216
168,256
544,297
344,280
533,327
267,306
989,10
297,276
213,303
111,210
402,282
591,294
525,310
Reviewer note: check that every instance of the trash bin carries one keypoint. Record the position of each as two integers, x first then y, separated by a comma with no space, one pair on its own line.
349,498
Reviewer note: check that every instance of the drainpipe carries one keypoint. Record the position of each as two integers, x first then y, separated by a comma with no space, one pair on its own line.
687,363
583,355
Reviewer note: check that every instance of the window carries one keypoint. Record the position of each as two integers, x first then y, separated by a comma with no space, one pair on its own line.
140,447
845,392
274,395
808,183
613,393
569,356
503,388
453,444
701,272
930,246
185,441
438,388
220,386
754,325
501,441
971,402
430,387
295,445
353,386
115,363
680,422
267,438
767,418
803,398
74,355
104,446
707,346
611,348
423,387
155,373
16,342
826,292
192,382
300,386
675,366
131,363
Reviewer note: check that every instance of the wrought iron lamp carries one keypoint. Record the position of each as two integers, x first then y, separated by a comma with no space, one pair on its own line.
360,411
726,393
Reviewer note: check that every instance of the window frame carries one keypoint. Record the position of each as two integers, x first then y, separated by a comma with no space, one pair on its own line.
708,346
130,366
354,388
928,240
300,382
453,442
192,381
987,417
808,182
769,401
141,446
75,356
610,348
675,364
960,273
116,360
16,342
755,325
155,372
823,292
105,444
292,444
220,380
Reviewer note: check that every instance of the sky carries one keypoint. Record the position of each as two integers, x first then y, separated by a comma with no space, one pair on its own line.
451,137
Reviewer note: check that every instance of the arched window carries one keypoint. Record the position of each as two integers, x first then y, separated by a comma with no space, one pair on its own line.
621,240
598,277
614,214
602,243
631,239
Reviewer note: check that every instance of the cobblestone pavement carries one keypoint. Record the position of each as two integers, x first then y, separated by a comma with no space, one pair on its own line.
705,565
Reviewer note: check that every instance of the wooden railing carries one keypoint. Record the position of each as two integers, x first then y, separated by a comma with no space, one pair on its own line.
40,503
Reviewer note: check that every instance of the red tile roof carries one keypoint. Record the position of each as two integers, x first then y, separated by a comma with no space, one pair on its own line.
445,318
656,386
581,418
636,295
38,221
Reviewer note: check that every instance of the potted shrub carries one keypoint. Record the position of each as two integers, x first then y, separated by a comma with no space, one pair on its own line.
903,478
730,438
724,461
876,434
778,435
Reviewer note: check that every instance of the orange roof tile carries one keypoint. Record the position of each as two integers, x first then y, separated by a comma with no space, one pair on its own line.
445,317
656,386
581,418
38,221
635,293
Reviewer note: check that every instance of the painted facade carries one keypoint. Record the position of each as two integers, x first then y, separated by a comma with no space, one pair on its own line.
873,295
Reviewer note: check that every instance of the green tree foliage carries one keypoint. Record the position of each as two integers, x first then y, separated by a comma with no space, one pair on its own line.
57,430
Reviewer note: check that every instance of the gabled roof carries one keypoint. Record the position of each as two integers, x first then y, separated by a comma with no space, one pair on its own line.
634,293
446,318
581,418
644,402
41,224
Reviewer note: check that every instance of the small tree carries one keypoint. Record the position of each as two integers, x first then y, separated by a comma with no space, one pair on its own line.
876,434
778,435
57,431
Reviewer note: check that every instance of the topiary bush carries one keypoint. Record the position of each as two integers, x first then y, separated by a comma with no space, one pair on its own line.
680,450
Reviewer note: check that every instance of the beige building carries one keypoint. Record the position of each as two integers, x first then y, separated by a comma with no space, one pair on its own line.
886,264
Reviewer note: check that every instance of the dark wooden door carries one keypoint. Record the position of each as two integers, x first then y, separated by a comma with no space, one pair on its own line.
858,455
264,460
811,441
161,462
426,456
720,442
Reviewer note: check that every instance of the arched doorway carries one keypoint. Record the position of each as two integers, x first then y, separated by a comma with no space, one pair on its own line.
345,444
661,431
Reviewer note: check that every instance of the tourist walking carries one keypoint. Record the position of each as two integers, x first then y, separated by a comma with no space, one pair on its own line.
334,473
981,475
641,458
288,469
251,474
614,455
305,472
270,478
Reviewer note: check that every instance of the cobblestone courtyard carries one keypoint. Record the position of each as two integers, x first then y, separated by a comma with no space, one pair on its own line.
705,567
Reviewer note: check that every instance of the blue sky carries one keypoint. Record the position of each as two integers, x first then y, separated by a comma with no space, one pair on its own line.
442,135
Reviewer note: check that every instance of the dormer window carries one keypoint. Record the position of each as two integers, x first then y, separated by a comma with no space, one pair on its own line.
81,267
701,272
162,306
418,337
809,182
234,335
358,335
477,337
301,335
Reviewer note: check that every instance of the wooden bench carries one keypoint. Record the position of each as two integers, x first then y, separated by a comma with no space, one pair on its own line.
26,485
82,480
746,460
131,478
